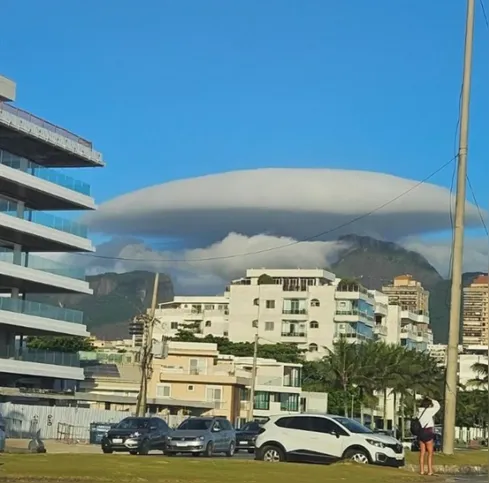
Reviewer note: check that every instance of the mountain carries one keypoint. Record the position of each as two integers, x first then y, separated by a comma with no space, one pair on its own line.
375,263
116,299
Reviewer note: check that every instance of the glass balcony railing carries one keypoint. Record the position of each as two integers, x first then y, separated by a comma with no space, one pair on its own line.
293,334
44,124
72,227
39,263
40,356
47,174
40,310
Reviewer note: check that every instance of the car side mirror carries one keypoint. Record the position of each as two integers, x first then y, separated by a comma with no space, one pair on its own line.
334,433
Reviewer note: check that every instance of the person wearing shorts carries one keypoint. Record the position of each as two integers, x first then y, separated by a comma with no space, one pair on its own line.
426,438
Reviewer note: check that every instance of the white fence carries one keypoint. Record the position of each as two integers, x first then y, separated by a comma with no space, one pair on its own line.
69,424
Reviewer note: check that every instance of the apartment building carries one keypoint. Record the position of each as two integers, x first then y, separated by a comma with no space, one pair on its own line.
34,156
195,379
201,315
475,312
308,307
409,294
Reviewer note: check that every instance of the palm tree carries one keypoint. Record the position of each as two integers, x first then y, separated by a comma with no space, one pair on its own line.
481,381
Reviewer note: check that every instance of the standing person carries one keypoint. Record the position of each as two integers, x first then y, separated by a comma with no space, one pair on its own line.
426,437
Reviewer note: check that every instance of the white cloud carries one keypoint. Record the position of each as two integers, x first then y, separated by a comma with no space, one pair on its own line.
295,203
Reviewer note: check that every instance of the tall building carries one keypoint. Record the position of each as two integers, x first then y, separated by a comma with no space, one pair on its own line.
307,307
409,294
475,313
30,149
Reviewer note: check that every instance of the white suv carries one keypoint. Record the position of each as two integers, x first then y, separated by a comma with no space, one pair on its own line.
317,438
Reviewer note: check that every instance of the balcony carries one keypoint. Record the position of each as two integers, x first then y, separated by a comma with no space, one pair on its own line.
37,309
380,330
294,336
294,311
11,208
42,141
41,357
41,172
351,315
39,263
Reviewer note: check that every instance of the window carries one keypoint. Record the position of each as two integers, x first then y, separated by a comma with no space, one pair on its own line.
159,424
190,388
163,390
196,367
353,426
269,326
254,324
313,347
289,402
313,324
208,307
196,424
214,393
262,400
315,303
225,333
174,325
300,423
270,304
208,323
225,424
253,426
323,425
256,302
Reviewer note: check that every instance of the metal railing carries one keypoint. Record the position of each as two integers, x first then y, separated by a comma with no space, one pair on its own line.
40,356
356,312
40,310
15,111
47,174
294,311
39,263
293,334
72,227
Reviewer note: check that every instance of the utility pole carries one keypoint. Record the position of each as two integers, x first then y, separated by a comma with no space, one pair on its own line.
253,377
147,352
458,244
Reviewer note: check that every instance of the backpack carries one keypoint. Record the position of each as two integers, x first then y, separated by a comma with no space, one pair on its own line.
416,427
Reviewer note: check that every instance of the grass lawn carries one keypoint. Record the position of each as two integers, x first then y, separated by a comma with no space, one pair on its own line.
158,469
460,458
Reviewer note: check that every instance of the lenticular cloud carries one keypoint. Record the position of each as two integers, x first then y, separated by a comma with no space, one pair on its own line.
295,203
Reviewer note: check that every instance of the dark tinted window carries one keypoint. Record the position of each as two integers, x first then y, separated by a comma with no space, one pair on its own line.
253,426
294,423
133,423
159,423
225,424
196,424
353,426
322,425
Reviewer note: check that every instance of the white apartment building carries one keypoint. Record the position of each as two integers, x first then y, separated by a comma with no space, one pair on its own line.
308,307
202,315
30,150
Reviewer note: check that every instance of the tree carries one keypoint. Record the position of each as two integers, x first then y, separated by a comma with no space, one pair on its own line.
481,381
265,279
70,344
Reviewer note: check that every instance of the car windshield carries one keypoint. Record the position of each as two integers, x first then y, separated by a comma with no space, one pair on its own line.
353,426
251,427
133,423
196,424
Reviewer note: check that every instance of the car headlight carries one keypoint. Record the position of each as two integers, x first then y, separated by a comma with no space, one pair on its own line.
373,442
168,438
135,435
201,438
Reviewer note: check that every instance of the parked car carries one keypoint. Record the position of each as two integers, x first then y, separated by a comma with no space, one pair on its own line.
437,443
136,436
202,436
245,436
316,438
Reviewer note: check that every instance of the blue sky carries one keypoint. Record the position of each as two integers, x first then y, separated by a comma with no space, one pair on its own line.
172,89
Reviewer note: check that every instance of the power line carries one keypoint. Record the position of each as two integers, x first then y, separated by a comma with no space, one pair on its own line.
484,13
477,205
280,247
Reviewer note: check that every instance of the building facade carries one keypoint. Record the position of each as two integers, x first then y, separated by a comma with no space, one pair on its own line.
308,307
475,313
409,294
34,155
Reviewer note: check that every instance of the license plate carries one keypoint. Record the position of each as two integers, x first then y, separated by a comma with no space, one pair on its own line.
243,442
180,445
117,440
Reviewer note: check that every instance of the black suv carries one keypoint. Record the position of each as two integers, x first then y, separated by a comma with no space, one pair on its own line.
245,436
136,436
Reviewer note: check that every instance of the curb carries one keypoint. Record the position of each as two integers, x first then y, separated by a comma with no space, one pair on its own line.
453,469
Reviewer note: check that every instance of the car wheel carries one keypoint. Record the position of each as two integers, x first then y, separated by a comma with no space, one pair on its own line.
144,449
133,452
251,451
209,450
358,456
107,450
231,449
272,454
